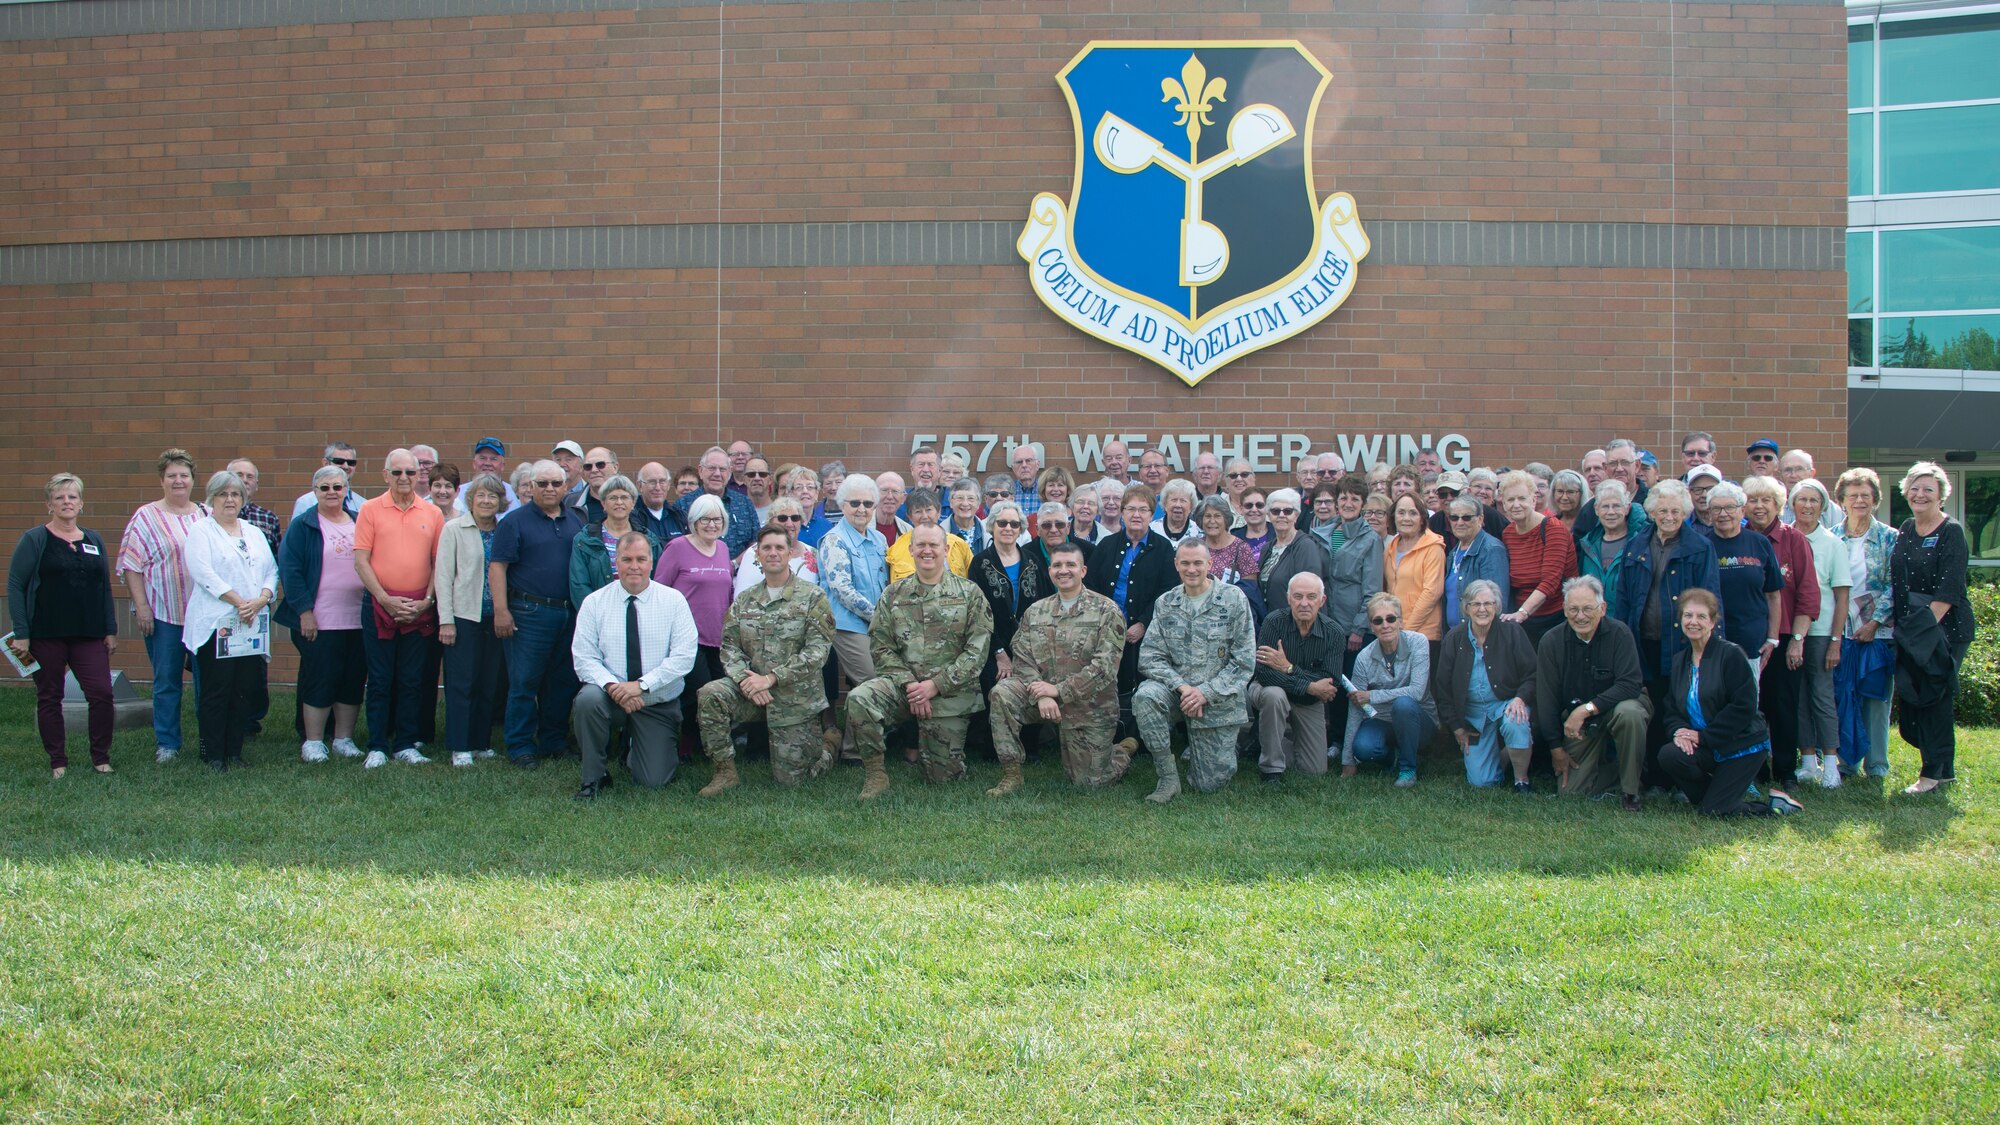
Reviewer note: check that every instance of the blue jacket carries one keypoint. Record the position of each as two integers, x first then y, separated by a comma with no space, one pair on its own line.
1486,558
854,568
299,554
1691,564
742,520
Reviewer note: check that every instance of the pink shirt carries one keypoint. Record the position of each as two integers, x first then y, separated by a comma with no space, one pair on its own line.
706,581
338,603
152,546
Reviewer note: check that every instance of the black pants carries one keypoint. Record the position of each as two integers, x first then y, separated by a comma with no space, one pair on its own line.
395,676
1336,709
1931,729
1128,682
1778,699
475,686
1715,788
707,667
233,693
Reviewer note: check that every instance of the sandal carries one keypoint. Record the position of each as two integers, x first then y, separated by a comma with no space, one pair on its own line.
1924,785
103,768
56,772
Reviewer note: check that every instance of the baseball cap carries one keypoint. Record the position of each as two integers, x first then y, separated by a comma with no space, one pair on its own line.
491,445
1646,458
1700,471
1761,443
1452,479
568,446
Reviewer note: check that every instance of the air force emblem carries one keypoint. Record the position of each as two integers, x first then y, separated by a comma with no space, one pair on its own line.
1192,236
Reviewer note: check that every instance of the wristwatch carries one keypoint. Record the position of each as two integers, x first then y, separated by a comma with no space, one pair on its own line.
1592,708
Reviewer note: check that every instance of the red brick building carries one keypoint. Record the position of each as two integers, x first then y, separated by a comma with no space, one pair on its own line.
244,228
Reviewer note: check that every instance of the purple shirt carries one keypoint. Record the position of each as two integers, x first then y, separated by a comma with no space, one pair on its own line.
706,581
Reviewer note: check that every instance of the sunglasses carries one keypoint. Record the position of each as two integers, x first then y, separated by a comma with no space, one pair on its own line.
861,503
343,462
1239,476
1253,507
1283,511
1046,522
1463,519
1762,458
1383,620
998,495
760,476
1006,523
598,464
330,488
788,519
404,472
549,484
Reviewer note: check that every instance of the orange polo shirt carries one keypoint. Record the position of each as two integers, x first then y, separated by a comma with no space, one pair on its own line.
401,545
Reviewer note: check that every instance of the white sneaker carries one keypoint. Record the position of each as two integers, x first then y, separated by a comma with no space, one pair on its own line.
483,755
1808,768
1830,763
346,748
461,758
314,751
163,755
409,756
375,760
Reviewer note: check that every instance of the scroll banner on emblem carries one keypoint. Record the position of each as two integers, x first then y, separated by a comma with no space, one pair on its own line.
1223,335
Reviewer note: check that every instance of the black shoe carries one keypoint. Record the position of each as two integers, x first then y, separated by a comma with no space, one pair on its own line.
237,764
254,729
218,765
1274,779
526,762
1523,788
591,789
1628,802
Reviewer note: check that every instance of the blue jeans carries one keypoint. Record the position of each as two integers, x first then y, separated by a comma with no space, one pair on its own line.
395,690
541,681
1483,766
170,659
1406,723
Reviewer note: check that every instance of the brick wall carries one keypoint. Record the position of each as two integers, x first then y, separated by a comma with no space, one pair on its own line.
1619,111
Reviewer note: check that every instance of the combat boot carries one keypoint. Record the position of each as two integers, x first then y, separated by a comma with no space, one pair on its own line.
874,779
724,780
1170,778
1121,759
1010,780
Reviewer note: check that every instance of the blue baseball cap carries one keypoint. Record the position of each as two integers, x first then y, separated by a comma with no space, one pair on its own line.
1761,443
1646,458
490,444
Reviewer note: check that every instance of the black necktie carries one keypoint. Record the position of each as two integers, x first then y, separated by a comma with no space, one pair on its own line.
632,638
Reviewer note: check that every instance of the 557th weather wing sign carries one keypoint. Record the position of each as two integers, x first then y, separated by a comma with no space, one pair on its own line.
1192,236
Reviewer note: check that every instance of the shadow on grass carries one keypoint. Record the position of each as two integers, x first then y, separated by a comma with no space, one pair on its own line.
494,820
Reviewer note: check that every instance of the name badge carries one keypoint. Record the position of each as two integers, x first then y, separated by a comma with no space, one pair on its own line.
1931,541
90,549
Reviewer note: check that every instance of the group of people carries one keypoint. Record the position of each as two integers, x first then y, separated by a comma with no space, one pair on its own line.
1637,634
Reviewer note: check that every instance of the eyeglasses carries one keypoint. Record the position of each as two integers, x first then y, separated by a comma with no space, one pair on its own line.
861,503
404,472
1006,523
1045,523
656,483
1384,620
788,519
758,475
343,462
422,464
709,519
1462,518
598,464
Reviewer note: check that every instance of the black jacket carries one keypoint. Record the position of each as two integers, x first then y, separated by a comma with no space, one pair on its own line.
1152,573
1306,554
24,578
990,575
1728,699
1570,672
1316,655
1510,668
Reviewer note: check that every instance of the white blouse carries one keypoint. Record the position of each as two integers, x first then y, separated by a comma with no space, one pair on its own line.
219,563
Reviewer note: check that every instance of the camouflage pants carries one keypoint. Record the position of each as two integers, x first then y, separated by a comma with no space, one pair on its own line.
1086,736
1211,749
875,706
797,752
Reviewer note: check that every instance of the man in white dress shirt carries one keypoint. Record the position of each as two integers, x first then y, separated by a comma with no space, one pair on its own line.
634,643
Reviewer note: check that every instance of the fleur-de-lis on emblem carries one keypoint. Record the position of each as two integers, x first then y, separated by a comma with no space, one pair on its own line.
1197,94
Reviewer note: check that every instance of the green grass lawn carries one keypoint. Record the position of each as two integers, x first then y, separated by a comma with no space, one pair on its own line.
316,942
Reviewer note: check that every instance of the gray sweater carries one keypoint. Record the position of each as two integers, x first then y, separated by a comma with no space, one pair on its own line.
1388,678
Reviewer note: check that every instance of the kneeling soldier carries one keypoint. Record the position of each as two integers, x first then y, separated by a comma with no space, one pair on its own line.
1196,659
774,643
929,638
1065,653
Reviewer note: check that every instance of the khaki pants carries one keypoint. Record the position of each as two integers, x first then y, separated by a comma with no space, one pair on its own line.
1612,752
1290,734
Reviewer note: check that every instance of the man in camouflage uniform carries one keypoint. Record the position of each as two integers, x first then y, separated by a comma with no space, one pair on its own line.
1065,653
929,638
774,642
1196,659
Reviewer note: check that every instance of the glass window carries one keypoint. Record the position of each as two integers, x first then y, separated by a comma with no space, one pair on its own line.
1927,150
1860,342
1945,60
1981,494
1950,342
1861,154
1861,272
1939,268
1860,65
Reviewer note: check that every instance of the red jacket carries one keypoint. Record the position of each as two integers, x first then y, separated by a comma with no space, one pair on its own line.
1795,558
1541,560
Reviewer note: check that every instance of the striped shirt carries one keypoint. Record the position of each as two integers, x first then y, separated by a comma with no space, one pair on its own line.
152,547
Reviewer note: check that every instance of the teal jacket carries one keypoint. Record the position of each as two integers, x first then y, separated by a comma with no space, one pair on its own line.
590,566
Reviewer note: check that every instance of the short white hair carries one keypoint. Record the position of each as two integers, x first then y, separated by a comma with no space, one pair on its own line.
856,486
706,505
1177,487
1306,576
